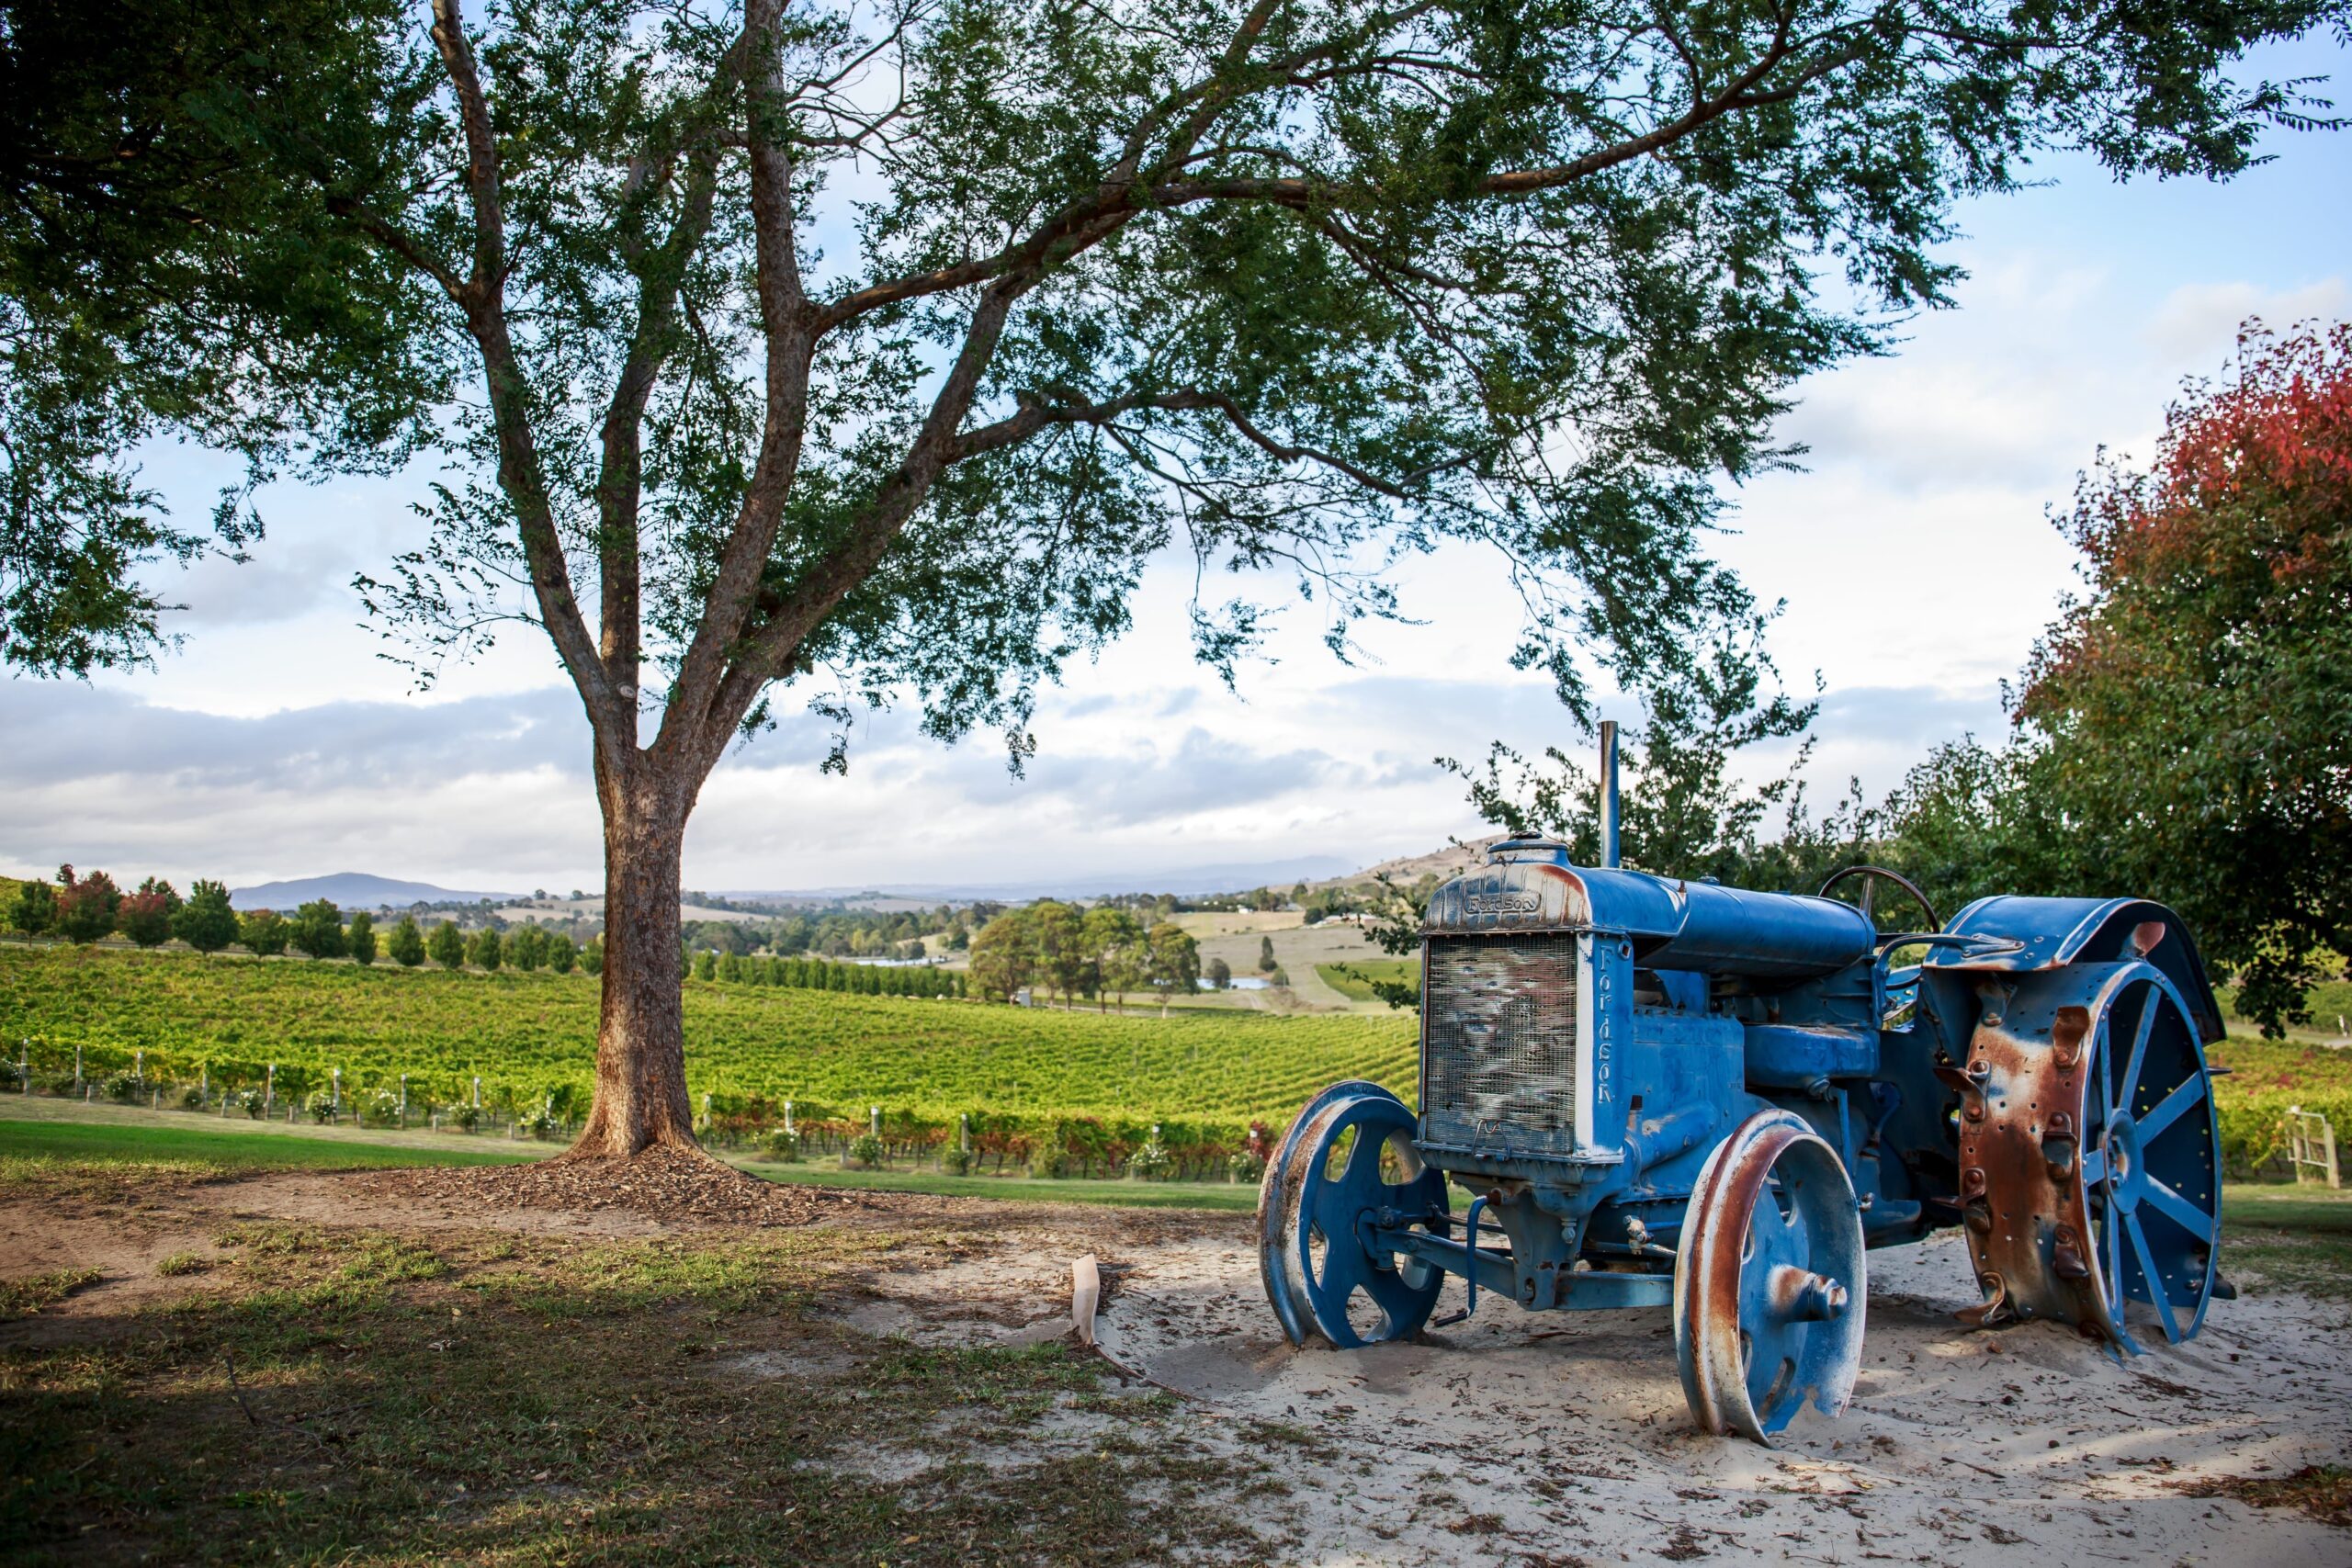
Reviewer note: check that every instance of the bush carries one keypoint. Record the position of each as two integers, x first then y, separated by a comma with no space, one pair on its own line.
1150,1162
145,919
866,1151
406,944
86,907
35,909
318,929
192,1098
265,932
382,1110
360,940
1247,1165
542,1123
959,1162
206,922
448,945
782,1147
122,1087
320,1107
562,954
466,1118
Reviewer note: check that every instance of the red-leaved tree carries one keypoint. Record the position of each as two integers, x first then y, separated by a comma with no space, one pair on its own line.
2198,700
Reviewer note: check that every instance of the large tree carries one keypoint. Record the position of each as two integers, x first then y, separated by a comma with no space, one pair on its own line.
2191,716
892,342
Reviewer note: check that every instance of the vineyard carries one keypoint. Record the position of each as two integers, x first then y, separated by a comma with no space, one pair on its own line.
1020,1072
529,1035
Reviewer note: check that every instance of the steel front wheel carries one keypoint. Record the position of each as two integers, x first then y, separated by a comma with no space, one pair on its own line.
1347,1163
1769,1284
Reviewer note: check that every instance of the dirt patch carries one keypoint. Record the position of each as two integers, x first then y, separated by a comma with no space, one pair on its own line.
673,1186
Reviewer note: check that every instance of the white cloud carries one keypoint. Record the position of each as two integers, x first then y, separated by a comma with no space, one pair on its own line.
2198,324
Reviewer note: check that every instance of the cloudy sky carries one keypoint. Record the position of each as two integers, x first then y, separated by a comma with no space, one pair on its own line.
1914,554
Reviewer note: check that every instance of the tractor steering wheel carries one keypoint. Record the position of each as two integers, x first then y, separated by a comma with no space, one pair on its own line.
1872,876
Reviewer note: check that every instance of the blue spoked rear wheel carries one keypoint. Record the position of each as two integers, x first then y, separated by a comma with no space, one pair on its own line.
1347,1163
1768,1285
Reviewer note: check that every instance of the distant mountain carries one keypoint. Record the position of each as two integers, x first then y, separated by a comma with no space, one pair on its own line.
1451,861
350,890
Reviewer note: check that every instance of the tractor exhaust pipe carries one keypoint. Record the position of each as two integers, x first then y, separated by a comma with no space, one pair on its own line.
1609,793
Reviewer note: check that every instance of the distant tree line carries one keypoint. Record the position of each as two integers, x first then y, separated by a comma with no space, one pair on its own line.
1053,948
88,908
816,974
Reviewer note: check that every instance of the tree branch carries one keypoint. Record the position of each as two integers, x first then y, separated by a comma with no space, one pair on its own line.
786,326
519,473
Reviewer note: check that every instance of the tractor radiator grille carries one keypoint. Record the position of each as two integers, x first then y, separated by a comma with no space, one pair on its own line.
1498,1053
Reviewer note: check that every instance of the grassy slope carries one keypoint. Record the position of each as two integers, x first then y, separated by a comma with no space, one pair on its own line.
194,1141
531,1032
40,1135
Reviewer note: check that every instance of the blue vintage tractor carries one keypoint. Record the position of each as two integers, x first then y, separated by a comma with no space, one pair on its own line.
1678,1094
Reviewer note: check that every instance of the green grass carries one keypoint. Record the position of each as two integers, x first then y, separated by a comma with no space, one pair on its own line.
1353,978
192,1141
1233,1197
2288,1237
408,1398
527,1033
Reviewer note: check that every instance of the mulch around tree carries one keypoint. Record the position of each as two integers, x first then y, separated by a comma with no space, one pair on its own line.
666,1184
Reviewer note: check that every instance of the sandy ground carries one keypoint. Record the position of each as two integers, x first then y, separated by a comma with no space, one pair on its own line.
1558,1438
1541,1439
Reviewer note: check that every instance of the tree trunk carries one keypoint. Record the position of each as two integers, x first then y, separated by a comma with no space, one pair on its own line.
640,1036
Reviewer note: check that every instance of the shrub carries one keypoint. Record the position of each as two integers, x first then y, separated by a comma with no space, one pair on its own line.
360,940
540,1123
959,1162
382,1108
466,1118
192,1098
206,922
592,957
562,954
180,1263
782,1147
122,1087
320,1107
35,910
449,945
1152,1162
405,946
1247,1165
145,919
318,929
485,950
86,907
865,1150
526,949
265,932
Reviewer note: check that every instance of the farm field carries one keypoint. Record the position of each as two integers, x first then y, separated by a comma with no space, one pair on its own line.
526,1035
831,1053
